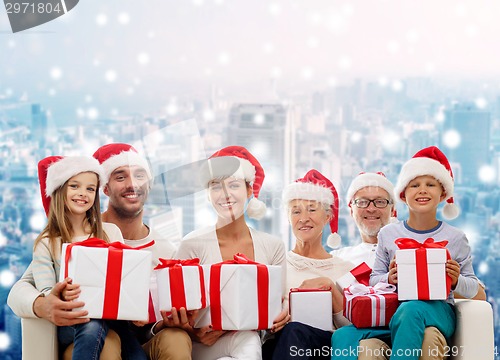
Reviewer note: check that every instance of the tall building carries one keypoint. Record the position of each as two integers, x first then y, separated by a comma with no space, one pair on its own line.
473,126
38,124
267,131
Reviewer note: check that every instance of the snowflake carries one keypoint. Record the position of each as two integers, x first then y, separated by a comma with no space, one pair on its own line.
56,73
143,58
123,18
101,19
451,138
4,341
481,103
110,76
92,113
224,58
7,278
487,174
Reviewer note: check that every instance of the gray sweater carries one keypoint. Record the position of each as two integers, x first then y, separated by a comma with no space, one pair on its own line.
458,247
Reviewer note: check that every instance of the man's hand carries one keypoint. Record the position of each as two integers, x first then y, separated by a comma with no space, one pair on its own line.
57,311
392,277
181,319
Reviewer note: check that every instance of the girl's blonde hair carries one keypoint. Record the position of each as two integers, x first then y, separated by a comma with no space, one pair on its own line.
59,225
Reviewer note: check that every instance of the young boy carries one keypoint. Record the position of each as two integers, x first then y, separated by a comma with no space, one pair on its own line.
424,182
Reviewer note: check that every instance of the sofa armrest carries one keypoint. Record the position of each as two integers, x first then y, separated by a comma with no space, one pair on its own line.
474,333
39,339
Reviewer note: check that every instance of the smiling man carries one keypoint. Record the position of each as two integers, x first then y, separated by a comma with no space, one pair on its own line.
371,201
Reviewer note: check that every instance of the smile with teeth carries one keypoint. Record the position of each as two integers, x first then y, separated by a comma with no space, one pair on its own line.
131,196
305,228
226,205
423,199
79,201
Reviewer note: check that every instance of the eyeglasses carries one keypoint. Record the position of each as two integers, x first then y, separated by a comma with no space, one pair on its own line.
378,203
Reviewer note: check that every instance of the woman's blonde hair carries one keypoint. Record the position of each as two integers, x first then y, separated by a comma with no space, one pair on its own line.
59,225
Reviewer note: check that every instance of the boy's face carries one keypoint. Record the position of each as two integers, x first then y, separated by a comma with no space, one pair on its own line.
424,193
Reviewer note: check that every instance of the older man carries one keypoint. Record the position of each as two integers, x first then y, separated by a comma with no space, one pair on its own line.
370,198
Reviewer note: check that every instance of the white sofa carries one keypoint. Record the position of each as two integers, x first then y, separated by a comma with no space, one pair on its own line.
473,339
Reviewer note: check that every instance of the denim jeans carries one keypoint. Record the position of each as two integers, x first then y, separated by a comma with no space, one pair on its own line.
88,339
131,348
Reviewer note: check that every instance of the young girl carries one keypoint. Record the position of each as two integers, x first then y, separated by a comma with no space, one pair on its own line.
232,175
70,196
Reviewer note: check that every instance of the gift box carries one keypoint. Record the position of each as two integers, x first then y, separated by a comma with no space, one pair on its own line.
358,275
113,278
311,307
243,295
367,306
180,284
422,270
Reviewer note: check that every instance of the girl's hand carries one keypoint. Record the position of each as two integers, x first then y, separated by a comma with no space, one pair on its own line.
453,271
71,291
317,283
281,320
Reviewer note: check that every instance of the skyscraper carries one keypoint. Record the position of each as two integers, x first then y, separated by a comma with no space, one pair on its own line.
266,130
472,152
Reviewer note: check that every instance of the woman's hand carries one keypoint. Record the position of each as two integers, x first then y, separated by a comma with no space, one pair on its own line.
281,320
323,283
206,335
71,291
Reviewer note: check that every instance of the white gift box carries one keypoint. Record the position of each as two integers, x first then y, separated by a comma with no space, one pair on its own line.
427,282
312,307
239,294
127,297
186,282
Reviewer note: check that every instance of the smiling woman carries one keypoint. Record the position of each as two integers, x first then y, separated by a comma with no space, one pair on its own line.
232,176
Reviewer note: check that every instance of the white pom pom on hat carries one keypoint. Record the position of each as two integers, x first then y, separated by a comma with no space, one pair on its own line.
315,186
429,161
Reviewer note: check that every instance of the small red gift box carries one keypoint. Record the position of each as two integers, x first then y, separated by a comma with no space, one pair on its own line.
422,270
367,306
358,275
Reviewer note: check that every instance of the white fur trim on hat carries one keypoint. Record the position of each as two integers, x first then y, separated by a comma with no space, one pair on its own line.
369,179
420,166
307,191
225,166
64,169
125,158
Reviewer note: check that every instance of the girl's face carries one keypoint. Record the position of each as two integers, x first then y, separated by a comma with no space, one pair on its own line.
81,192
228,197
308,218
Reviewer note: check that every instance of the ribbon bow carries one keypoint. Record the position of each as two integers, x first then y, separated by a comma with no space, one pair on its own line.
407,243
167,263
380,288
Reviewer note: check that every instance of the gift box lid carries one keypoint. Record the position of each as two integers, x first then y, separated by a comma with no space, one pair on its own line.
434,256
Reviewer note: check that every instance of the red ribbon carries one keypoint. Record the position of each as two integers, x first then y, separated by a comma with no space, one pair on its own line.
177,290
421,262
362,273
113,270
262,291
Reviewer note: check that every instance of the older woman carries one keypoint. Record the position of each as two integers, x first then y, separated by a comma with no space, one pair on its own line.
232,175
311,203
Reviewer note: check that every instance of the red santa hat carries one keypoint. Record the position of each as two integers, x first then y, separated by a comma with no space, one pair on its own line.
315,186
115,155
429,161
54,171
366,179
238,162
